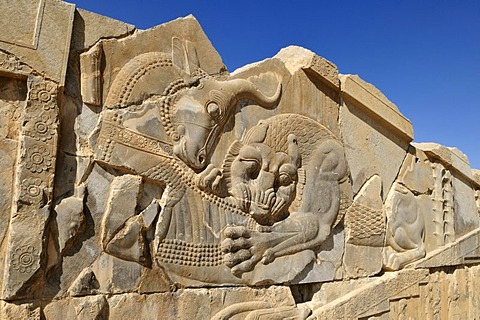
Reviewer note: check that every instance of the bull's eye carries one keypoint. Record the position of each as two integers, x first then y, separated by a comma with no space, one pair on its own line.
213,110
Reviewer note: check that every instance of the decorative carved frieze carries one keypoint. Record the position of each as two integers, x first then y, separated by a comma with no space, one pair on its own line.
282,190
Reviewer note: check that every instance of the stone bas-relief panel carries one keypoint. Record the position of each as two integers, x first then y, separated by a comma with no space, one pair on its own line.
148,180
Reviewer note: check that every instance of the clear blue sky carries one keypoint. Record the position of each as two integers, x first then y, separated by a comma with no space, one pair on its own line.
424,55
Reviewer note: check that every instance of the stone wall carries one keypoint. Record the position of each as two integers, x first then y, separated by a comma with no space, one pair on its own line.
142,180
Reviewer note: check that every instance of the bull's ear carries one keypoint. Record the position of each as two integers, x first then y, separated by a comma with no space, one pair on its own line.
184,56
256,134
178,53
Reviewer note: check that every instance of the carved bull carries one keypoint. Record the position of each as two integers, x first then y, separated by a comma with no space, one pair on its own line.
190,112
200,113
153,135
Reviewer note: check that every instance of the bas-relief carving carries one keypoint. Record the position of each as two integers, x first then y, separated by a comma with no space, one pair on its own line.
420,211
254,209
30,211
405,235
157,204
477,200
365,231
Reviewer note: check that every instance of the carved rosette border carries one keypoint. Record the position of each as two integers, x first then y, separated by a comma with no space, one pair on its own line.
34,185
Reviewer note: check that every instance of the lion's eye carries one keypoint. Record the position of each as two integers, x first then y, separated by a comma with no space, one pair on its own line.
213,110
284,179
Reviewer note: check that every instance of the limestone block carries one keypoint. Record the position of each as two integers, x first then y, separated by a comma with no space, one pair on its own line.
114,275
184,37
416,172
33,182
442,296
13,311
476,178
265,74
438,228
416,295
85,284
322,294
365,221
94,307
11,105
314,86
328,263
234,303
41,37
465,250
372,148
296,58
87,248
466,218
70,217
452,158
89,27
89,307
8,151
9,63
91,76
405,228
354,305
123,195
462,195
373,102
365,231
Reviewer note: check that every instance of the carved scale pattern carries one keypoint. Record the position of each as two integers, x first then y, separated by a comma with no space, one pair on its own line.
364,223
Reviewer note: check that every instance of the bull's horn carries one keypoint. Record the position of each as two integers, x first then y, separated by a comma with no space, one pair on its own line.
245,89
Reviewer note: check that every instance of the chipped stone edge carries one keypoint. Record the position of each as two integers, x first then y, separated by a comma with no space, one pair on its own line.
451,158
354,91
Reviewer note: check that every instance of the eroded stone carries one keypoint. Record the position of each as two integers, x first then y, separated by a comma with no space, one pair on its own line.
142,180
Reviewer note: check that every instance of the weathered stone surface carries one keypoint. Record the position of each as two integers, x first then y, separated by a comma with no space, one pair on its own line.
391,286
145,181
452,158
296,58
465,250
365,231
43,43
13,311
416,173
373,149
373,102
37,137
209,303
476,178
89,27
182,37
462,184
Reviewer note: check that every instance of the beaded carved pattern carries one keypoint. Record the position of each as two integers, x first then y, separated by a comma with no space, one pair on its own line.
176,251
